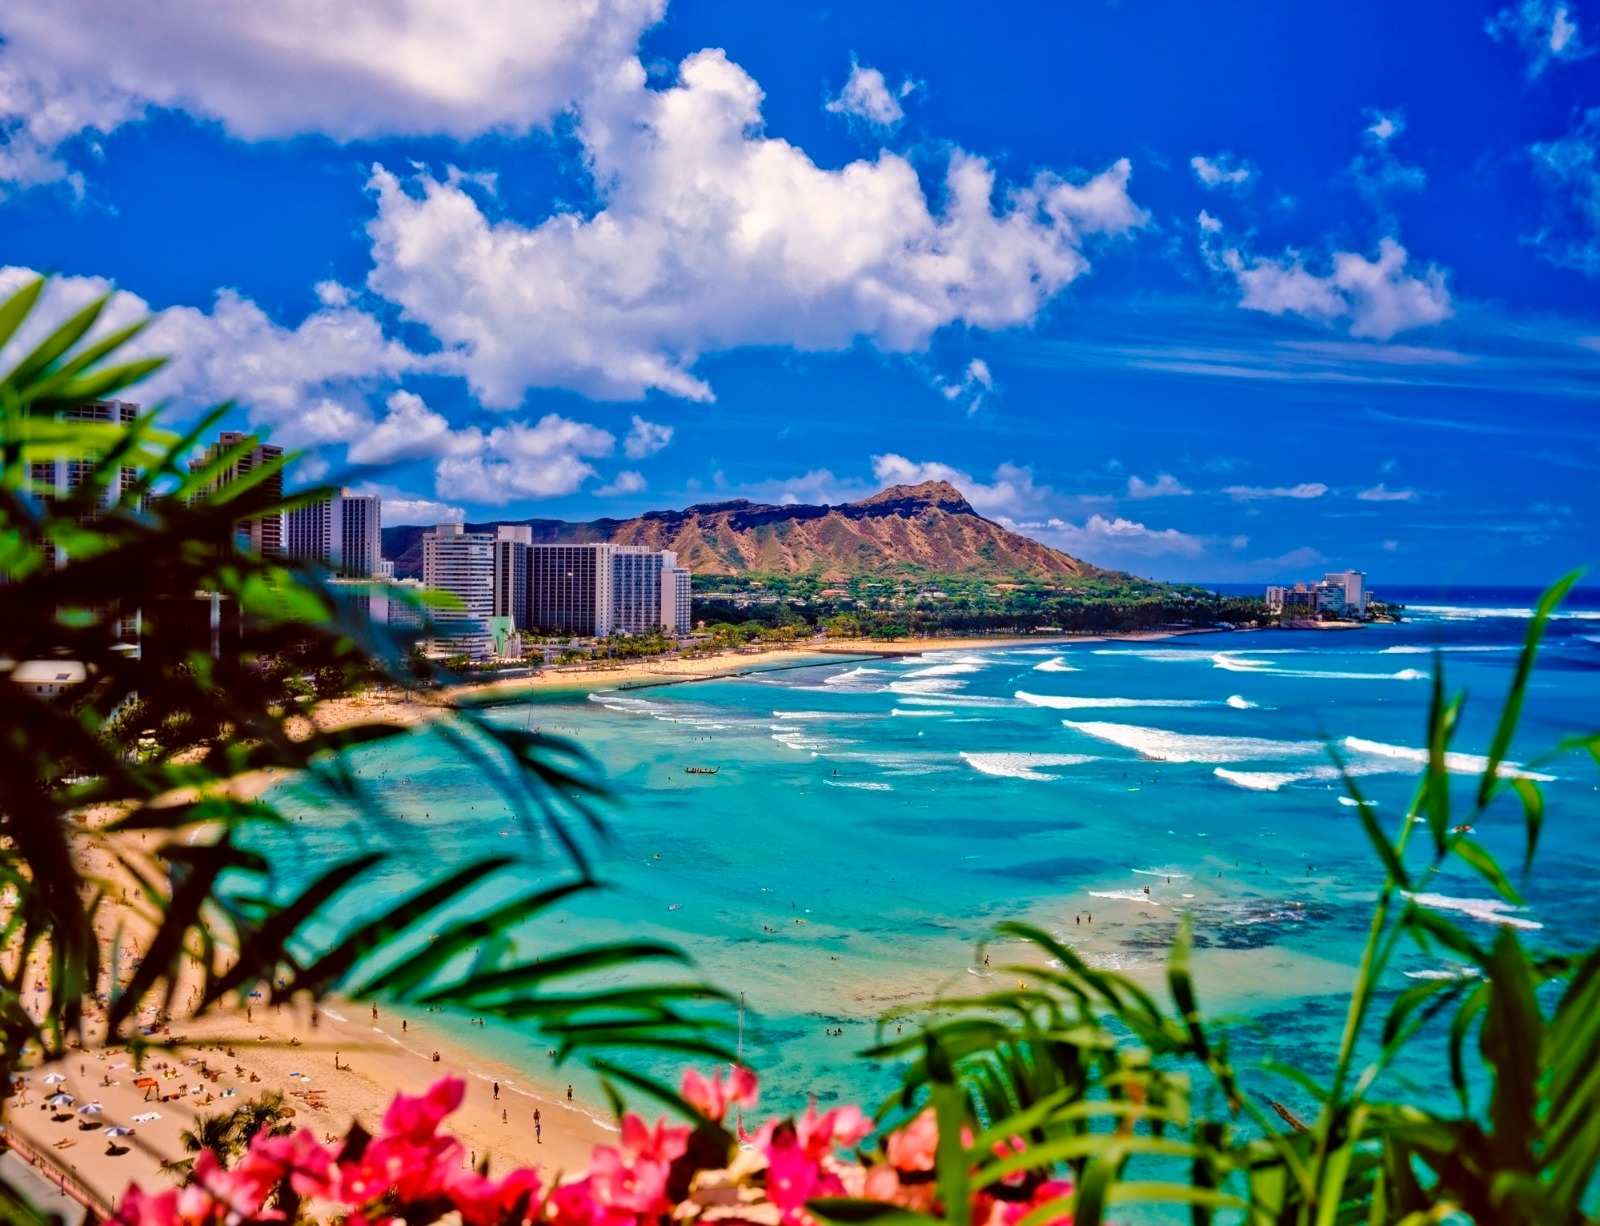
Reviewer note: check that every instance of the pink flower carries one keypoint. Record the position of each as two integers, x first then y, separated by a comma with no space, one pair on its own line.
418,1117
661,1143
484,1202
139,1208
300,1158
912,1147
712,1099
843,1126
796,1175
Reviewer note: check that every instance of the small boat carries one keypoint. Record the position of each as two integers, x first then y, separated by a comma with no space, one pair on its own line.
675,906
701,770
1461,830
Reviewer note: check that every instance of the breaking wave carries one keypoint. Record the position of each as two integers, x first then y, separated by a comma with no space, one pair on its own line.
1456,763
1164,746
1064,703
1058,664
1023,765
1487,910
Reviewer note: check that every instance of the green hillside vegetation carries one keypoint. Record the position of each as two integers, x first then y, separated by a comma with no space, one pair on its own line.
932,604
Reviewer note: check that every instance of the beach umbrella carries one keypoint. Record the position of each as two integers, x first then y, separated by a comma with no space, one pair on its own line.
90,1109
53,1079
59,1100
117,1131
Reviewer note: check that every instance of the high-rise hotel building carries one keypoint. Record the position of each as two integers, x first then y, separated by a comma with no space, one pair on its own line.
461,563
603,589
262,534
511,545
58,478
344,533
584,591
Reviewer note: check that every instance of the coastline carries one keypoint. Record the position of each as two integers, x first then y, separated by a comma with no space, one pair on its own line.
291,1050
737,662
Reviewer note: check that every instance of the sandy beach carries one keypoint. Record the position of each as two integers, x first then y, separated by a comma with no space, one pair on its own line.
225,1059
734,662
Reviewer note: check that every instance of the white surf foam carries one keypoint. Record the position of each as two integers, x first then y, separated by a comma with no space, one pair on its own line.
1240,703
1165,746
863,785
954,700
1258,781
923,714
1065,703
1448,612
1414,649
1125,896
1058,664
1353,803
795,738
857,680
926,685
1233,662
1487,910
1466,972
1158,654
1237,662
945,670
1457,763
1023,765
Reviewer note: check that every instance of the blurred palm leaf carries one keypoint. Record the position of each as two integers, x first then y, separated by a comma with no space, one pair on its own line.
159,737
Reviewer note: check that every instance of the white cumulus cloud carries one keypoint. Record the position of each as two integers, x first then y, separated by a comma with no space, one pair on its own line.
1377,298
866,95
352,70
625,482
399,508
1011,491
1112,541
645,438
308,383
1250,493
1222,171
1164,486
517,460
410,430
713,236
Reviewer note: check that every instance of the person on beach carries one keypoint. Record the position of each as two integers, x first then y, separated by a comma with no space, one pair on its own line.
569,1092
497,1091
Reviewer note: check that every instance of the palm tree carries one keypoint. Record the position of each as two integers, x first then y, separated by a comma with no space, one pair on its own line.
229,1133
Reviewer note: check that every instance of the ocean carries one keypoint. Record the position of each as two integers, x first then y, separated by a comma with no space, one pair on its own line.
871,821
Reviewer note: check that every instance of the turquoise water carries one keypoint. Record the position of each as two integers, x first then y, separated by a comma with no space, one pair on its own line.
900,808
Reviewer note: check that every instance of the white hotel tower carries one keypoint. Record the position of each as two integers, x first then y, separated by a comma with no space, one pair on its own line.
461,563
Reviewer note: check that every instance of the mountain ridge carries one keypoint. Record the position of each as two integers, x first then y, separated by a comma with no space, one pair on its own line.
928,528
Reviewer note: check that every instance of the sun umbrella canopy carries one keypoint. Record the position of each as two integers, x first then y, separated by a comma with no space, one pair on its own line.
60,1100
117,1131
53,1079
90,1109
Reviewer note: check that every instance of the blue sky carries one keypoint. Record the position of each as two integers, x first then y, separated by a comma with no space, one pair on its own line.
1206,294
